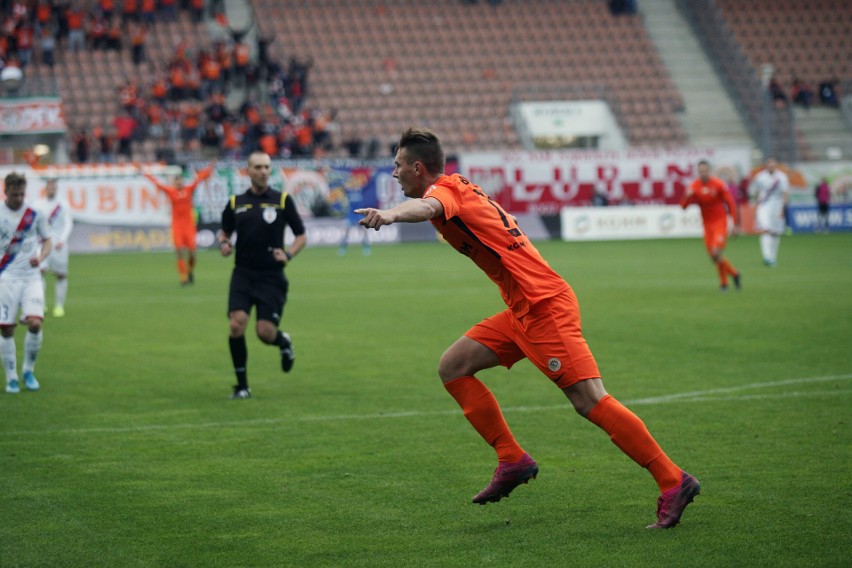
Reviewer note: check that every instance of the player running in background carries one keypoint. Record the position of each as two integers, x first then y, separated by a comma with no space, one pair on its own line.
183,222
259,217
24,244
712,196
771,188
59,218
542,323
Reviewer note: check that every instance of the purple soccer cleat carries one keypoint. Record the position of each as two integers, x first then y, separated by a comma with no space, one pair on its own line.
507,476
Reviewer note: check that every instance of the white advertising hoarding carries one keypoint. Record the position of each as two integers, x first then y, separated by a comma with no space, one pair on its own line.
623,223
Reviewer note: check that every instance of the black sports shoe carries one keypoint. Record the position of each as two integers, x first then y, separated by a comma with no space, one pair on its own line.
240,393
738,284
191,277
288,354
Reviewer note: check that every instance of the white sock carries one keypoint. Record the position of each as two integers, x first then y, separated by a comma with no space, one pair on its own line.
774,244
60,292
9,354
32,345
766,246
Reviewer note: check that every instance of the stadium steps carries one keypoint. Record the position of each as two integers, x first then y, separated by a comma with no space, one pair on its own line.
709,117
825,132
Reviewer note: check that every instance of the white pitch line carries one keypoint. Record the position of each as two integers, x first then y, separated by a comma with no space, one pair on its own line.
692,396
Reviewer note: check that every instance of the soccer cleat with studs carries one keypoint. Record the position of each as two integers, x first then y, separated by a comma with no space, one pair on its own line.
30,381
288,354
240,393
507,476
13,386
671,504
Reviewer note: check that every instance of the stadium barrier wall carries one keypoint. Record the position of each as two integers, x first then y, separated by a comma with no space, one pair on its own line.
115,209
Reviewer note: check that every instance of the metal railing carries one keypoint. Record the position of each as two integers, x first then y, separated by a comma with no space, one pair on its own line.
773,128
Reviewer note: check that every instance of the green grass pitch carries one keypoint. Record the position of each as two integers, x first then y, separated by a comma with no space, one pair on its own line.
132,455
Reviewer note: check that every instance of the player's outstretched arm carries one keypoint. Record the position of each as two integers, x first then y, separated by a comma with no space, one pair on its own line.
413,211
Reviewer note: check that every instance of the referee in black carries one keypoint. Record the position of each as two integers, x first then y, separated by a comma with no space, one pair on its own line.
259,217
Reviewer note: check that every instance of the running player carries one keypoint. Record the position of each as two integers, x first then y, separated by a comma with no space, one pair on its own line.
712,196
542,323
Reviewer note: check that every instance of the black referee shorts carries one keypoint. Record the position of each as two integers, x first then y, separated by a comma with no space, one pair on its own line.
266,289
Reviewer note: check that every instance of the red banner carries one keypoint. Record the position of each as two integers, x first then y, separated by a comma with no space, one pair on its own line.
544,182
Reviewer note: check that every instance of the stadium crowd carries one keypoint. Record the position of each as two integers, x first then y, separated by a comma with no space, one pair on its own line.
187,107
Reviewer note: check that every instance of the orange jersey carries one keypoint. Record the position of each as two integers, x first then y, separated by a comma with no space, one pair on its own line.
181,197
477,227
712,197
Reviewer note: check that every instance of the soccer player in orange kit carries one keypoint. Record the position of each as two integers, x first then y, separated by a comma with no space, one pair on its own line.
542,323
183,223
712,196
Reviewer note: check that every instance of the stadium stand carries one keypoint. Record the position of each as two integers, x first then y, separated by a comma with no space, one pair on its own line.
799,39
379,65
455,66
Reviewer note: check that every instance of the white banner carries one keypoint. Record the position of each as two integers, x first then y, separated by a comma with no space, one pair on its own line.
625,223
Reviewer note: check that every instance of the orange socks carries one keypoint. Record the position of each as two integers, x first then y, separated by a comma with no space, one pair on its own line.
725,268
629,433
483,412
181,264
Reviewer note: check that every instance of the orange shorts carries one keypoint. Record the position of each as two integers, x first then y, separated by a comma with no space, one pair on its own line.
184,236
549,335
716,236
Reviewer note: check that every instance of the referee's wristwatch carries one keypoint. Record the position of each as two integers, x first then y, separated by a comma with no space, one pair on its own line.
289,255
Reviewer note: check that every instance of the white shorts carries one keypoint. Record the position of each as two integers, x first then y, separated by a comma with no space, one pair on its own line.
24,295
57,261
770,217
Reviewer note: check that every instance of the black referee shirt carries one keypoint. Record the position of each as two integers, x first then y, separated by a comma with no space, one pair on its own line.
259,222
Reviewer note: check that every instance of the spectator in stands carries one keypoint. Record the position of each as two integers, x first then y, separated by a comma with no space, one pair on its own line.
114,35
43,15
802,94
148,12
124,128
168,12
47,45
97,34
106,151
107,9
24,43
211,140
354,145
776,91
130,11
75,18
197,9
82,143
242,58
828,92
138,35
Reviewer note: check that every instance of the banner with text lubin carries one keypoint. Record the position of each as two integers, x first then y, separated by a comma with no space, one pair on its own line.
624,223
116,209
545,182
